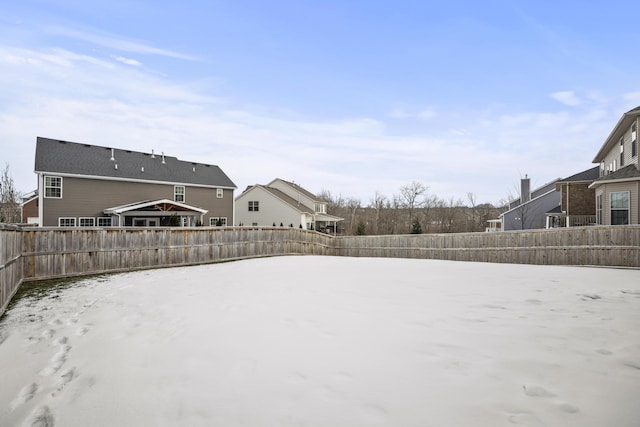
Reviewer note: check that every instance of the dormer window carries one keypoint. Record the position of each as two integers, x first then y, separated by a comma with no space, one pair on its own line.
321,208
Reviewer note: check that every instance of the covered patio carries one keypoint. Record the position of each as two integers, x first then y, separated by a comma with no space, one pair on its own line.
155,213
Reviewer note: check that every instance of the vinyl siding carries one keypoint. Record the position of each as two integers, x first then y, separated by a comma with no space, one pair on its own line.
83,197
633,187
271,210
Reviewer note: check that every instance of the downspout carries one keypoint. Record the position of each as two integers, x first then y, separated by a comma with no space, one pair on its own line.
40,200
568,218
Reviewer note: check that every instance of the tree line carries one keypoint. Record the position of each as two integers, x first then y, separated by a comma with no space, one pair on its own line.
411,210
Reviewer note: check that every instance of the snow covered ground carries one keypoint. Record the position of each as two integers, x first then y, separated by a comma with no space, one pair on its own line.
327,341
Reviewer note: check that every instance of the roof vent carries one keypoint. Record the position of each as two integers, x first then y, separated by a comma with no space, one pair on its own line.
113,159
163,162
116,166
194,169
153,156
142,169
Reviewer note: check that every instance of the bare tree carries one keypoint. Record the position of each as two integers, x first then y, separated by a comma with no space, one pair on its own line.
409,196
9,198
377,204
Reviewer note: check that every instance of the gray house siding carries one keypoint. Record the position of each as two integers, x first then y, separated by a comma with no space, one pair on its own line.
531,215
82,197
632,187
96,178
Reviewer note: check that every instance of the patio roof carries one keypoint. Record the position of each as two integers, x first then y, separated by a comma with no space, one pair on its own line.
161,205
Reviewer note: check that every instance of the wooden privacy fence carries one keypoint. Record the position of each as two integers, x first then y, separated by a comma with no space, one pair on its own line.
28,254
10,263
54,252
599,246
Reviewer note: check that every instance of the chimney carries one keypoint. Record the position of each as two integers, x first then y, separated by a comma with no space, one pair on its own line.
525,189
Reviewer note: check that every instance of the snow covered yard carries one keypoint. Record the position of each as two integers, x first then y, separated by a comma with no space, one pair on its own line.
327,341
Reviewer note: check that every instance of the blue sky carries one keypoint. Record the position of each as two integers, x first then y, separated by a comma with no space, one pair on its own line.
354,97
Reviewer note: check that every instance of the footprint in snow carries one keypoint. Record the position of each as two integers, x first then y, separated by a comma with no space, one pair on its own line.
537,391
41,417
26,394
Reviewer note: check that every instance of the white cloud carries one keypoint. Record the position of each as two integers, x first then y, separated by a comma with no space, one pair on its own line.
118,43
127,61
424,114
567,98
65,95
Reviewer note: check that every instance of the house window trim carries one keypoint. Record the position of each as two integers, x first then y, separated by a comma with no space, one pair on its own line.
254,206
214,220
66,218
599,205
627,209
104,219
219,193
86,218
622,152
48,187
176,193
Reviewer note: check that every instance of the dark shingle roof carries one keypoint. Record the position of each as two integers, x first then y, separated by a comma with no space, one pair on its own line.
627,172
586,175
64,157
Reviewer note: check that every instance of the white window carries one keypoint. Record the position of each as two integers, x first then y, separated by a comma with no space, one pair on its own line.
104,222
254,206
219,193
218,221
178,193
53,187
66,222
86,222
321,208
599,209
619,207
621,152
185,221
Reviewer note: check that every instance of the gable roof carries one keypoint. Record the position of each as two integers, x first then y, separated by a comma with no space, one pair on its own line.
161,205
298,188
71,158
618,132
587,175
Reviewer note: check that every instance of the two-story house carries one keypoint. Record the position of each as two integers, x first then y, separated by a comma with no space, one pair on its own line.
618,186
82,185
283,203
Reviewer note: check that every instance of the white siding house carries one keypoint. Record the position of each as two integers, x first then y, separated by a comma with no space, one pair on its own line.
283,203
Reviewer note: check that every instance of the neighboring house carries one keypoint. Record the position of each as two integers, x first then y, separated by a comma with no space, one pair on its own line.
87,185
577,201
529,211
617,188
286,203
29,208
